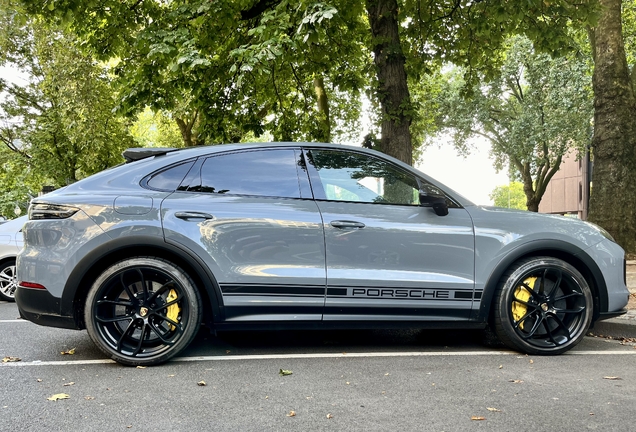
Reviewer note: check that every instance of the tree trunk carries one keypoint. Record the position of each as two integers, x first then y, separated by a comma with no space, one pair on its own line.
392,91
613,198
187,128
324,121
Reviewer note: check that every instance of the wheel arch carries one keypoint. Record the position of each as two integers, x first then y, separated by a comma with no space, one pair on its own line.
567,252
93,264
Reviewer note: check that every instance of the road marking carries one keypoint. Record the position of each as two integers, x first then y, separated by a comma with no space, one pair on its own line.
13,321
312,356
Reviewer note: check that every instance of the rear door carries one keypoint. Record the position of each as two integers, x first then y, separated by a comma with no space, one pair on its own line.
388,258
251,217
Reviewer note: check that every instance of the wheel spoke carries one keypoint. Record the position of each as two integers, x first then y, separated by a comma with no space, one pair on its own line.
542,284
142,336
531,290
523,318
570,311
547,329
165,318
127,288
534,328
159,334
573,294
160,291
144,286
116,319
561,325
175,301
525,303
556,285
131,325
115,302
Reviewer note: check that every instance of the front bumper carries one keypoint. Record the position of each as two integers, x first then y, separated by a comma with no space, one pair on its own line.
40,307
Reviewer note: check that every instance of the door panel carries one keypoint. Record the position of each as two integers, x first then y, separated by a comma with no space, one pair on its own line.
266,253
388,258
407,263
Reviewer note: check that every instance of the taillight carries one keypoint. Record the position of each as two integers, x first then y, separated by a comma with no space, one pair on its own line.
51,211
31,285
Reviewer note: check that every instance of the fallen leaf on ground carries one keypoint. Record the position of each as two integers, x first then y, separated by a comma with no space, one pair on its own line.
329,416
500,366
612,378
68,352
291,414
515,381
142,367
39,380
478,418
8,359
58,396
493,409
201,383
531,361
89,397
69,384
284,372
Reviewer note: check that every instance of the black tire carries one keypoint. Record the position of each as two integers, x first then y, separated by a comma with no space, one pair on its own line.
160,321
8,281
543,306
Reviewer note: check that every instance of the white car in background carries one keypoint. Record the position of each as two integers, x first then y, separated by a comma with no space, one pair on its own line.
10,244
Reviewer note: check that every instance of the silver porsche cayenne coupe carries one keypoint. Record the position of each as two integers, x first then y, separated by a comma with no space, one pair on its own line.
302,235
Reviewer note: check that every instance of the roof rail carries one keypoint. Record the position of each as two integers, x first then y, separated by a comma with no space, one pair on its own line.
135,154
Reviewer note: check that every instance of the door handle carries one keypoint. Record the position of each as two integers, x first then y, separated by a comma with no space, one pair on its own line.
193,215
347,224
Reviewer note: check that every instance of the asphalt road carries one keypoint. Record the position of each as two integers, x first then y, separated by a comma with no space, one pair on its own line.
365,380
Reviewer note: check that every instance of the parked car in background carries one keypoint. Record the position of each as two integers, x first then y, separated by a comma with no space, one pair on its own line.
302,235
10,245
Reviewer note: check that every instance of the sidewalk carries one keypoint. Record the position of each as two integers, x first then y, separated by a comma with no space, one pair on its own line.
623,326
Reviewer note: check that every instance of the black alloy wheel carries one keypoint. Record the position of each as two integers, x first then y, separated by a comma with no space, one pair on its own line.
143,311
543,306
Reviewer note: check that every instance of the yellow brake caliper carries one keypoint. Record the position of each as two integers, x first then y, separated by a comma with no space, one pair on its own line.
174,309
521,292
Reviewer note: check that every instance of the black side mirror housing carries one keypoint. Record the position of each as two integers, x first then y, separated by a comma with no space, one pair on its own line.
437,202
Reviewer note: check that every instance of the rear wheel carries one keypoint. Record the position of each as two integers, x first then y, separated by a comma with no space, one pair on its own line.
142,311
543,306
8,281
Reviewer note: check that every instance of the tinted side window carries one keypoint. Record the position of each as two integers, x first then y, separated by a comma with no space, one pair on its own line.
170,178
347,176
270,173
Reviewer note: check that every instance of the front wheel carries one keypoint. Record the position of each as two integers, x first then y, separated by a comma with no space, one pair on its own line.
8,281
142,311
543,306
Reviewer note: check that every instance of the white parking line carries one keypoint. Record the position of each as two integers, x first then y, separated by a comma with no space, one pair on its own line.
13,321
313,356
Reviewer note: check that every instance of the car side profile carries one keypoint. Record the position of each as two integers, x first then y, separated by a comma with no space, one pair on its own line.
10,245
302,235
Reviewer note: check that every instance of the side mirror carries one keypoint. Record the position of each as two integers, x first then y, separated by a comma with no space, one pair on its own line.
437,202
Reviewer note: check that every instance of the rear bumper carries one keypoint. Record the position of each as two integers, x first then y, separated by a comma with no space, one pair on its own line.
40,307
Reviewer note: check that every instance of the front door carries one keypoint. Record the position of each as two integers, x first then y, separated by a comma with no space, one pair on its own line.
388,258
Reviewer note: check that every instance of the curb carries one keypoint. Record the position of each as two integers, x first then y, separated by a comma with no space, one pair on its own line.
623,327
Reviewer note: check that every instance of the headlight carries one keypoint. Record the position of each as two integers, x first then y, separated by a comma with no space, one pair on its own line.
601,230
51,211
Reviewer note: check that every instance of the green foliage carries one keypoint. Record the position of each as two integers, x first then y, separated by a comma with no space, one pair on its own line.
536,110
155,129
509,196
56,125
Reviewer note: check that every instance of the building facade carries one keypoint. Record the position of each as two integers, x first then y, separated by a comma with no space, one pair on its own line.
568,193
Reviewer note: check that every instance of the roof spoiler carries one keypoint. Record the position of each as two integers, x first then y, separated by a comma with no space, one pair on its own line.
135,154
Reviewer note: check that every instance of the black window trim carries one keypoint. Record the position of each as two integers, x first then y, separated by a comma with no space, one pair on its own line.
144,181
318,188
204,158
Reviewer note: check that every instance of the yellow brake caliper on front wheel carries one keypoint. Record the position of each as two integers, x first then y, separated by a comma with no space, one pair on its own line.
174,309
519,310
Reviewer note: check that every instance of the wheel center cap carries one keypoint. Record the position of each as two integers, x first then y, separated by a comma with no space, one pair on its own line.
143,311
545,307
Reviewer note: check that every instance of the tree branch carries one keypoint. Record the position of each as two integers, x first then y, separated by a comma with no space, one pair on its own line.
260,7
